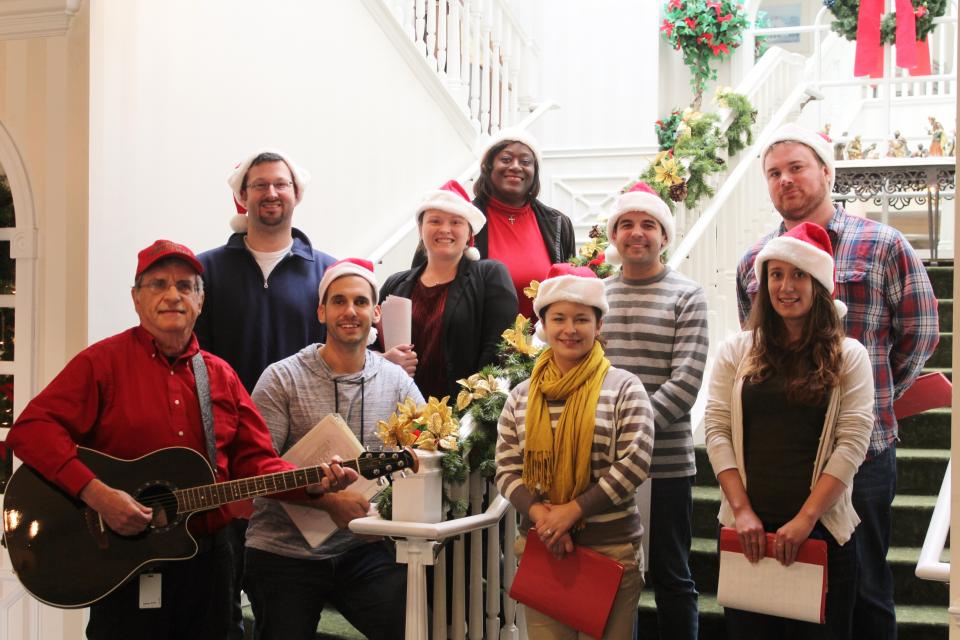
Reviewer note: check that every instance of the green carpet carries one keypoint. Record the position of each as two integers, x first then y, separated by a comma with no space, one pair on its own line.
333,626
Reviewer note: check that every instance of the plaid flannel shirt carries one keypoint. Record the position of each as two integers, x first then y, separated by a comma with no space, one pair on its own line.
891,308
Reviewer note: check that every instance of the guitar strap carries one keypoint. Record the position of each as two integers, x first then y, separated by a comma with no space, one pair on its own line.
206,406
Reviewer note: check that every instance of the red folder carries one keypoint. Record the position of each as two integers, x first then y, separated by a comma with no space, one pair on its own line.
798,591
930,391
577,590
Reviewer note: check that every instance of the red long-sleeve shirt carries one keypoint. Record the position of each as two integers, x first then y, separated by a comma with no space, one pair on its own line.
122,397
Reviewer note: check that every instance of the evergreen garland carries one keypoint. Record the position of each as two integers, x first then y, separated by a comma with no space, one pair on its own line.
846,15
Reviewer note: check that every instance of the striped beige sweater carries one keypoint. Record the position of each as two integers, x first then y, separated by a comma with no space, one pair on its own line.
620,459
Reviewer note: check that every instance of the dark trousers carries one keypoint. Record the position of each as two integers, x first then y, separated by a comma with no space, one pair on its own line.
874,487
193,604
365,584
671,527
841,593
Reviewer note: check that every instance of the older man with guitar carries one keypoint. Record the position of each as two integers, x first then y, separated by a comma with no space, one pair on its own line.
152,395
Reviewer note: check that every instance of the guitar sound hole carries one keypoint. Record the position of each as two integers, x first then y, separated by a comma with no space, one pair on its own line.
159,497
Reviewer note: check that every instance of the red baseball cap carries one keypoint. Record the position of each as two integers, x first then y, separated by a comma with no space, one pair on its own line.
164,249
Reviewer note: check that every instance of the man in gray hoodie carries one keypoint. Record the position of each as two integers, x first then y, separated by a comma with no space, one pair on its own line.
289,581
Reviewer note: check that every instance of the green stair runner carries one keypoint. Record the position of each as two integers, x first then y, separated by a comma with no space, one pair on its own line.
921,460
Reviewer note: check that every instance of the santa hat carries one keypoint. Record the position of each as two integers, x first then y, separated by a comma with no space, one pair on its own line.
452,198
352,267
808,247
301,178
512,134
642,198
567,283
792,132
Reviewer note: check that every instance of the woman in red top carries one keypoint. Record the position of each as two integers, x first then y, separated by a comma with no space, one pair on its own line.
521,232
461,304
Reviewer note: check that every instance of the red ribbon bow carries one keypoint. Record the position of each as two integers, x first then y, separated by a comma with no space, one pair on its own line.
869,57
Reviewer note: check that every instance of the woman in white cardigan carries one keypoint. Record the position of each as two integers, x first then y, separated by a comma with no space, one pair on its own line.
788,421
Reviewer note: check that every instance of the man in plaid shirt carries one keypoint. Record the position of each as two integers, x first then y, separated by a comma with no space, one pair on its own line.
891,310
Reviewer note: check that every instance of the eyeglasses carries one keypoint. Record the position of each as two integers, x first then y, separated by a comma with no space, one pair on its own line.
159,285
263,187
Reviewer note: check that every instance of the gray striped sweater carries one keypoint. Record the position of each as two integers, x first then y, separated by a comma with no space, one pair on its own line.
620,459
657,329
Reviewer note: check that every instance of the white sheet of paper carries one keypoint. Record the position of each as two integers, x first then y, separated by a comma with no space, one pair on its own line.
769,587
396,316
331,436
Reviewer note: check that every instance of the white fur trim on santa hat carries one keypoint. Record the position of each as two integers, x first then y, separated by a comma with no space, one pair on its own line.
452,203
513,134
345,268
645,203
817,262
301,178
793,132
569,288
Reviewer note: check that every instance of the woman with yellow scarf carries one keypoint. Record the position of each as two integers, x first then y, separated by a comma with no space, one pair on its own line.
574,442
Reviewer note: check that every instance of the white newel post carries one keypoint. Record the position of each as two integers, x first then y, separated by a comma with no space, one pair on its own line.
417,554
431,37
475,625
485,27
476,53
442,39
419,28
457,30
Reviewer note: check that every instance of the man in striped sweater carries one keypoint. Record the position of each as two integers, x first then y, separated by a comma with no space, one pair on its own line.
657,329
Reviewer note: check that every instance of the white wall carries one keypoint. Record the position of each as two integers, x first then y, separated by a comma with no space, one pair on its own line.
600,62
180,91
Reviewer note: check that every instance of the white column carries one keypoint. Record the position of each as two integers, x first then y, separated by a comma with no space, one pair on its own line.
417,554
456,32
442,37
475,622
431,37
419,30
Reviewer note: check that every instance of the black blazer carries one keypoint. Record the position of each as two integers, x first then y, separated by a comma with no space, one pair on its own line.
481,303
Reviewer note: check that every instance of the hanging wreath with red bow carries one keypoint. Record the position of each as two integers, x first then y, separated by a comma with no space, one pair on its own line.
863,21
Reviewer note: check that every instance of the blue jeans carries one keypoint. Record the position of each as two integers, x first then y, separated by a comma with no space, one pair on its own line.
874,487
841,593
365,584
671,526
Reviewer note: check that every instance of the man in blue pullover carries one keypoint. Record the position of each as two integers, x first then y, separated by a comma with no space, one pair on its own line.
261,287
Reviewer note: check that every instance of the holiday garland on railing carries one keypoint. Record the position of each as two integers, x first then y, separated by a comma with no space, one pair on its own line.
846,18
704,30
690,142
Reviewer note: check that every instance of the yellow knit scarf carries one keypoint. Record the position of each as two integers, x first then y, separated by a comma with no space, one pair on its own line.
557,462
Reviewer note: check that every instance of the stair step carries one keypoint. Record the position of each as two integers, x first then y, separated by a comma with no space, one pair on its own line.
928,430
908,589
943,354
919,471
914,622
941,277
910,513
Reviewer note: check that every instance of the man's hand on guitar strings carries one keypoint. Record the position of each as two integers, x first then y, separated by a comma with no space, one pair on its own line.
118,509
335,478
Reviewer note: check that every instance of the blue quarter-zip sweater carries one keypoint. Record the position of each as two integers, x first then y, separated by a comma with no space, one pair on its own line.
252,323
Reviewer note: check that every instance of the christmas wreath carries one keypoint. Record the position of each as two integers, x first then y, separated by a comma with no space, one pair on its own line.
846,15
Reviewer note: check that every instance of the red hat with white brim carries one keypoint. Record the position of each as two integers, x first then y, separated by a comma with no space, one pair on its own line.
352,267
452,198
641,197
301,178
567,283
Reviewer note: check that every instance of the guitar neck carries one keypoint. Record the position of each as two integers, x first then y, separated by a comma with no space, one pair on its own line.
215,495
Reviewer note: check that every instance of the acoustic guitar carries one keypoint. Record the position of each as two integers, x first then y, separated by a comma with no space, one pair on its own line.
65,555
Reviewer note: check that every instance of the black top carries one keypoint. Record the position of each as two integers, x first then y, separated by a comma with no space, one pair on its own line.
780,442
481,303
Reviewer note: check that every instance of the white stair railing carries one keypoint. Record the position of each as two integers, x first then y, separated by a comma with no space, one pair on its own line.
480,52
929,566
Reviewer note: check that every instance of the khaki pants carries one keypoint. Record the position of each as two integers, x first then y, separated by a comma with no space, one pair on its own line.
624,610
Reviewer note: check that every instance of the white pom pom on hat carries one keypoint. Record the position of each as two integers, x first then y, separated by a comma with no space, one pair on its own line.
301,178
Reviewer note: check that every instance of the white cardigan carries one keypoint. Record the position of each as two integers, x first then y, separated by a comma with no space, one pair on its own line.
843,443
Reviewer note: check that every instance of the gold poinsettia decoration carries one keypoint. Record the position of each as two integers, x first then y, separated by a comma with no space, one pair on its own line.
429,427
517,336
474,388
666,170
592,248
721,97
531,291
